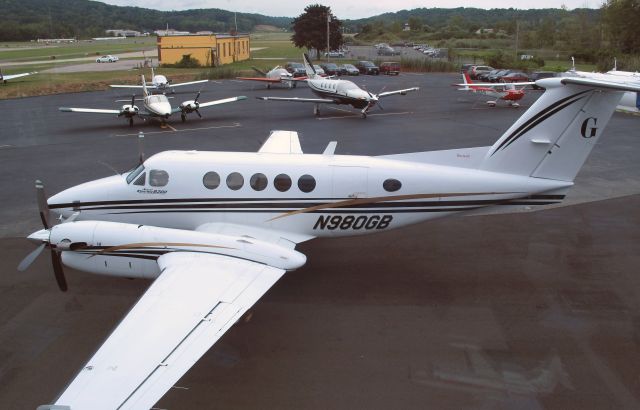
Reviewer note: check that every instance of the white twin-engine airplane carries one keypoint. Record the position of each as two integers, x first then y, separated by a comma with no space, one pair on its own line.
6,77
334,91
215,230
276,75
161,83
155,106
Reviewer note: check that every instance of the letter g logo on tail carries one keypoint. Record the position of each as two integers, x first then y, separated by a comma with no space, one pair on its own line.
588,129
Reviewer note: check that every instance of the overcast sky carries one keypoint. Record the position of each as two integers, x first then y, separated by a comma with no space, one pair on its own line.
346,9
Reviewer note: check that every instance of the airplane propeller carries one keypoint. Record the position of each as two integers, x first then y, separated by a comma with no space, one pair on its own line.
190,106
44,237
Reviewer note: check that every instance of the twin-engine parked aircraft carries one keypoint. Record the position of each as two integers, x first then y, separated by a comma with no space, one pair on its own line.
155,106
277,75
338,92
160,83
508,92
6,77
217,229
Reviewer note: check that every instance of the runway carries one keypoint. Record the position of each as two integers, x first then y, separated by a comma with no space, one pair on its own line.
530,310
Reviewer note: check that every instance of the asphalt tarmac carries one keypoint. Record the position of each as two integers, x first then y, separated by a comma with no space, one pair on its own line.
533,310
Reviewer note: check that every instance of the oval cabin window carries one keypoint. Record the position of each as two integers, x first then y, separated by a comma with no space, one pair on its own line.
211,180
391,185
235,181
282,182
258,182
306,183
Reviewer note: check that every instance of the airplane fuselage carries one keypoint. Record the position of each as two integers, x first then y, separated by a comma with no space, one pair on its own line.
302,194
158,105
341,91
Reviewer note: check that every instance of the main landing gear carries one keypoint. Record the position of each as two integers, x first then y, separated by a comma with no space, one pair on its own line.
316,110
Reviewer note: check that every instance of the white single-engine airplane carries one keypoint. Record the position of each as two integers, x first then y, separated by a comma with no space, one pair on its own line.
161,83
155,106
334,91
6,77
215,230
276,75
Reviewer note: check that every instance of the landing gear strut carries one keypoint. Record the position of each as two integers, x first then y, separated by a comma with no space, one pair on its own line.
131,122
183,117
316,110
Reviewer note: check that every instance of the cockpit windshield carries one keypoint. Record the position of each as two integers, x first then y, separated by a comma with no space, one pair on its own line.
156,99
133,174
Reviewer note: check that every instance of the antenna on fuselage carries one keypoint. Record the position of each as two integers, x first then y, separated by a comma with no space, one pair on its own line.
141,146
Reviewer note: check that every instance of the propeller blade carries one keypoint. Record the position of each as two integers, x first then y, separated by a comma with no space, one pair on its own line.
133,99
32,256
380,105
198,112
43,207
141,146
197,96
57,270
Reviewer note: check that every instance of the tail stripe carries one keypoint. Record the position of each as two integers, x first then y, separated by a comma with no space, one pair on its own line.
539,117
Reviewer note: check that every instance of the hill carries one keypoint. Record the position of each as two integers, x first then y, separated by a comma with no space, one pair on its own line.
31,19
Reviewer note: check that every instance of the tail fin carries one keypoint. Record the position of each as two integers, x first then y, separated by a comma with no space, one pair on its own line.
144,86
554,137
308,66
465,80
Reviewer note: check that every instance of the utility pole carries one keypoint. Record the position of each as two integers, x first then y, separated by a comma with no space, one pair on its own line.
328,21
517,32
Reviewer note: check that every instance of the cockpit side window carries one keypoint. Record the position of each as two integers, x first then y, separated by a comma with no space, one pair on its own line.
158,177
141,179
133,174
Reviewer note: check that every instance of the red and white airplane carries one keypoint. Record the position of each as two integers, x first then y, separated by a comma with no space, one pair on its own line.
508,92
277,75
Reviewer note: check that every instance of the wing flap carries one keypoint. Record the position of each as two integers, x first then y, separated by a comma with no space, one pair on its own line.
282,142
196,299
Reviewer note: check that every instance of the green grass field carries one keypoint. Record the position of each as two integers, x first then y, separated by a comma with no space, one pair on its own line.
33,51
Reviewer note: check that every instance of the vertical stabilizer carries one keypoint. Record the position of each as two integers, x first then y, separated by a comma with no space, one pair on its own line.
308,66
554,137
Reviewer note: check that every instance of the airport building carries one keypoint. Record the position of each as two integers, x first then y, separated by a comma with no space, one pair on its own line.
209,50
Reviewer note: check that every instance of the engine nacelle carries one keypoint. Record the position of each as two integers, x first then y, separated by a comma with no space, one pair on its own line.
189,106
129,250
129,110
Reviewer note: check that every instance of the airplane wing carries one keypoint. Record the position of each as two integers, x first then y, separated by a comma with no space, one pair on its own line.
12,76
263,79
132,86
496,85
403,92
216,102
89,110
297,99
282,142
188,83
193,302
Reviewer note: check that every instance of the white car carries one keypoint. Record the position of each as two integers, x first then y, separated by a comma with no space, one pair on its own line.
319,70
107,59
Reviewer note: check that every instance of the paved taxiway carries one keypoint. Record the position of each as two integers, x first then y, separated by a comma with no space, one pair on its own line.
530,310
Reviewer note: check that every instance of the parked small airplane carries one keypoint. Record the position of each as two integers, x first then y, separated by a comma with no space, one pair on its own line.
508,92
217,229
334,91
6,77
155,106
277,75
161,83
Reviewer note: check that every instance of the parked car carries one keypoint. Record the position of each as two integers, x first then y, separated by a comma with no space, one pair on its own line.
319,70
330,69
107,59
485,76
476,70
494,78
349,69
388,51
390,67
465,68
367,67
514,77
297,69
538,75
335,53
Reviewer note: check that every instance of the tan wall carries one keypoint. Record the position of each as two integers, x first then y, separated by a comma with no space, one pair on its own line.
209,50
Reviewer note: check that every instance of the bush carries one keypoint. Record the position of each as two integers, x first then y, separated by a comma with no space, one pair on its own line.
186,62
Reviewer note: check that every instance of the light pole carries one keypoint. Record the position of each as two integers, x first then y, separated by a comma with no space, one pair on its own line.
328,21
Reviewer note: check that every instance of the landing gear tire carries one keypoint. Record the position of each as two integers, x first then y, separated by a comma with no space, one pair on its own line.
316,110
268,86
183,117
295,85
131,122
363,115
